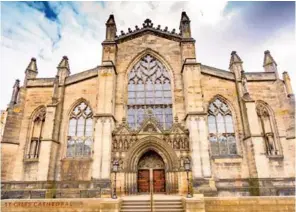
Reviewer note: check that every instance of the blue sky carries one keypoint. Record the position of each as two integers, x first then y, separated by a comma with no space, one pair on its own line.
49,30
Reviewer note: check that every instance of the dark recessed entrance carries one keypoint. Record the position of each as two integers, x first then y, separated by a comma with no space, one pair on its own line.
151,167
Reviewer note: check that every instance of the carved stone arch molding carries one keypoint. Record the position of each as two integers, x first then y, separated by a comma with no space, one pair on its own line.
77,102
225,100
155,144
153,53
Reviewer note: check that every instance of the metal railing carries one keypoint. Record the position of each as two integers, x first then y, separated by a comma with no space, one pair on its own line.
151,190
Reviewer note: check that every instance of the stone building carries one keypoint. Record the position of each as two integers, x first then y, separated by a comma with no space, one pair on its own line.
3,115
151,107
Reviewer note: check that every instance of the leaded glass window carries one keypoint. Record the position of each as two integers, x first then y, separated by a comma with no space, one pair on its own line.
221,130
80,133
149,91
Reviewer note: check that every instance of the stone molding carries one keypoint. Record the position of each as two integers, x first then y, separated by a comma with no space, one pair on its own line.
151,143
104,115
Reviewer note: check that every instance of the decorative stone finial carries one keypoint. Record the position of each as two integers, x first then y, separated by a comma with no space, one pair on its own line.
64,63
129,30
185,29
63,70
269,63
147,23
31,71
111,28
288,84
234,58
166,29
16,88
32,65
111,20
268,59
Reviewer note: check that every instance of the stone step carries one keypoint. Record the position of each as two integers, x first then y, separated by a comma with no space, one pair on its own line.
165,205
155,203
155,210
155,206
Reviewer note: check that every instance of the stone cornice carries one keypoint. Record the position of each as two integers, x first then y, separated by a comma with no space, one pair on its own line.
5,142
49,139
252,136
108,42
108,64
138,33
227,75
82,76
104,115
212,71
200,114
189,61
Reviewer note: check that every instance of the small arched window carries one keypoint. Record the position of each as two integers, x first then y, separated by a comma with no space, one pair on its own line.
221,130
266,128
80,133
36,134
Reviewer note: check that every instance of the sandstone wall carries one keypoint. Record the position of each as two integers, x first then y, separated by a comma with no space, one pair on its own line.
74,94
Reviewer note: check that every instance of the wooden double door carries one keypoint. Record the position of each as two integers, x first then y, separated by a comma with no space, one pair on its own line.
158,177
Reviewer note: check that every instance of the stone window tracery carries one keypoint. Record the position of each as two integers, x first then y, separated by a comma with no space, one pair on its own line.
221,130
266,128
149,91
80,133
37,133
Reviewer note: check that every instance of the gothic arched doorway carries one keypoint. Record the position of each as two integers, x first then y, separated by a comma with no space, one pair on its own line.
151,167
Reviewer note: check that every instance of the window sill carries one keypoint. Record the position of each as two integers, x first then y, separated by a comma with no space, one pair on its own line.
30,160
227,158
275,157
78,158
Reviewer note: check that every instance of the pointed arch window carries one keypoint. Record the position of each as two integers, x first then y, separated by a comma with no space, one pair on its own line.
149,92
36,134
267,129
221,130
80,132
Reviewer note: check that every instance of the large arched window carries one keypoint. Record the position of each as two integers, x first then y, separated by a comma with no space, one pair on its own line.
266,128
149,91
221,130
80,133
36,134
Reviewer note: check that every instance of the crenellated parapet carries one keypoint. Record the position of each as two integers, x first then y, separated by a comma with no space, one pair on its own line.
148,26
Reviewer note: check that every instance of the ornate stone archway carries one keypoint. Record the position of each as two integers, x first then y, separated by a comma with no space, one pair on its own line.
165,152
151,143
129,145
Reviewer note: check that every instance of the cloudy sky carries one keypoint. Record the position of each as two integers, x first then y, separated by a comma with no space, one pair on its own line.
49,30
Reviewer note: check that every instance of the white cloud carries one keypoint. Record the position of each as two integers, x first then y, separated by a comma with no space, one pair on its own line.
27,33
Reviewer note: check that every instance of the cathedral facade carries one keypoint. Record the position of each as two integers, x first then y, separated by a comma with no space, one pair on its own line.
152,110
